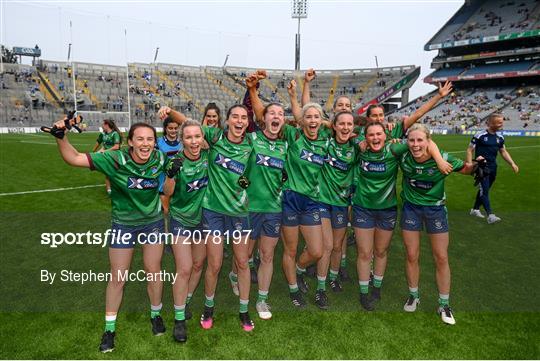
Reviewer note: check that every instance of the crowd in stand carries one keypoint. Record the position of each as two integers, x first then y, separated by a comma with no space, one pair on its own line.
493,23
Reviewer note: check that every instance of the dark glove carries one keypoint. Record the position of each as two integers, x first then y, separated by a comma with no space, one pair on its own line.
174,167
480,170
243,181
70,121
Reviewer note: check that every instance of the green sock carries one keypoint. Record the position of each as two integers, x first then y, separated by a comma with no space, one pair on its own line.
293,288
251,263
189,297
444,300
262,296
233,277
413,291
180,312
110,323
209,301
321,283
343,262
333,275
155,310
300,271
377,281
244,306
364,287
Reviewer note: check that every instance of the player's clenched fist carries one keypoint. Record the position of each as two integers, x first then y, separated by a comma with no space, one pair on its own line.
163,112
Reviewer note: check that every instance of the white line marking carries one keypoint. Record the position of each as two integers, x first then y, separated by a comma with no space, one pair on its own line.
31,142
99,185
524,146
50,190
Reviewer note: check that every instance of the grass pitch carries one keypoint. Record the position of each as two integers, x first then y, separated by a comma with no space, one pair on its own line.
495,282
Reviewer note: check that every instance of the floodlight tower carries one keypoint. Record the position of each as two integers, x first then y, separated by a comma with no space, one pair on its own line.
299,11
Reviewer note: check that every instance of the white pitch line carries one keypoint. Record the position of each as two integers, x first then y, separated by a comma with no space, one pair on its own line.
46,143
99,185
524,146
50,190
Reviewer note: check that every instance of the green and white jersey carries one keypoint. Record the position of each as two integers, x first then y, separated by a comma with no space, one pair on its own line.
227,161
108,139
376,177
336,176
265,173
423,183
305,159
134,187
396,133
191,184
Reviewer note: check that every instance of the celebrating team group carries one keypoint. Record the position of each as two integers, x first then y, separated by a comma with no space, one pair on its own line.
307,176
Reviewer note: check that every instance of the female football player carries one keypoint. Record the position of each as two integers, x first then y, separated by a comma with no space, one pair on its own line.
424,206
186,186
109,139
136,213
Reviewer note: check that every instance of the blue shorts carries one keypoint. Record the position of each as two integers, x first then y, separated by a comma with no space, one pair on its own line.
128,236
178,229
221,223
337,215
299,209
374,218
267,224
414,216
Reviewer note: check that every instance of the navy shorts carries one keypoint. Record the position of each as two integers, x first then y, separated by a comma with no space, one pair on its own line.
180,230
221,223
267,224
415,216
374,218
299,209
337,215
129,236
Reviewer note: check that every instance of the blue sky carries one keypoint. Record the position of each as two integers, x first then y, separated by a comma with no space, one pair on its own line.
340,34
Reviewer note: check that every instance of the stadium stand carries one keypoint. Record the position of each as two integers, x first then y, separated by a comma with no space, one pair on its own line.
524,111
466,109
479,19
102,90
490,50
495,68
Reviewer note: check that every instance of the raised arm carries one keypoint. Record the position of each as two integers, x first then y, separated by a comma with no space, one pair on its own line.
308,77
256,102
295,107
443,92
506,156
70,155
175,115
